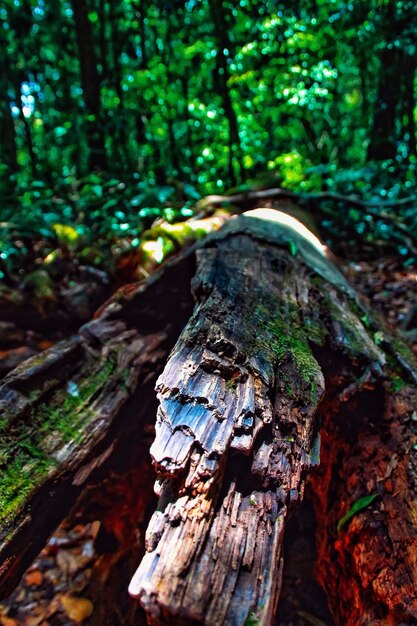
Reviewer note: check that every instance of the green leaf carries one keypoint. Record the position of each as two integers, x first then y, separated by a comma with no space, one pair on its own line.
397,384
359,505
293,247
379,337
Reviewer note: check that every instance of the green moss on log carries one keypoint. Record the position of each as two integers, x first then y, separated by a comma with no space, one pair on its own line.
283,338
28,448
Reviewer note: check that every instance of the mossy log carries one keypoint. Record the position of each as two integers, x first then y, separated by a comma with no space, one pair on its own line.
277,340
63,411
279,378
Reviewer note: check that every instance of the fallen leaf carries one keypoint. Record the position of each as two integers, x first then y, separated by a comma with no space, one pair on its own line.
77,609
69,562
360,504
34,578
8,621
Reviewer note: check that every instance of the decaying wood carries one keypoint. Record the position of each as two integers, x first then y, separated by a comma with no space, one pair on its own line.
63,410
369,567
278,355
238,429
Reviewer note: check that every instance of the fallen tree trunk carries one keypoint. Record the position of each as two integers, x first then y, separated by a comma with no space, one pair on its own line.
64,410
238,430
278,349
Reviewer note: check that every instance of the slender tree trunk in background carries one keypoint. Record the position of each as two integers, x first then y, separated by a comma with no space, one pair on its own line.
365,87
179,20
222,75
140,129
63,101
409,127
90,83
189,123
117,85
146,44
139,120
7,132
391,86
8,149
168,56
383,133
28,133
26,65
101,10
41,138
8,144
140,12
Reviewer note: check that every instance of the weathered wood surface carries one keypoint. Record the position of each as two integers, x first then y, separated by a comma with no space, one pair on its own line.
62,411
238,430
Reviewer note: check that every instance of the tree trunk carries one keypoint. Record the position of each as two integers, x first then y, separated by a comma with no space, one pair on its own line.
278,355
222,75
90,83
238,430
61,410
8,152
395,83
28,133
121,145
7,127
383,143
409,103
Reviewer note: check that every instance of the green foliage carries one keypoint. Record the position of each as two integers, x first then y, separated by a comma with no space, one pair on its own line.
359,505
251,620
94,226
252,94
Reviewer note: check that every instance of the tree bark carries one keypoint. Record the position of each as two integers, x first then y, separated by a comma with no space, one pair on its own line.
409,102
396,74
222,75
7,127
90,83
122,144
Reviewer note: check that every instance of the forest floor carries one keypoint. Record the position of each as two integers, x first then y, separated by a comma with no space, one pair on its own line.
51,593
